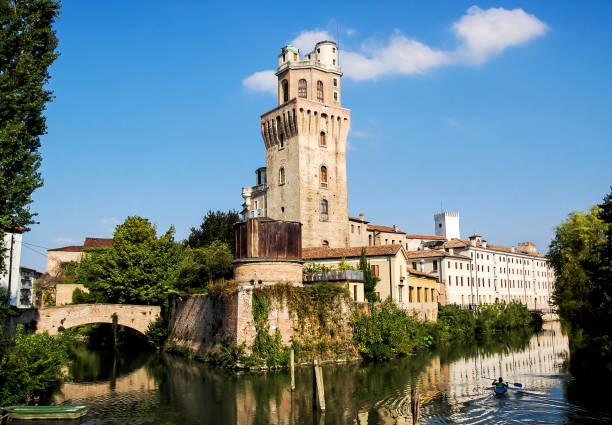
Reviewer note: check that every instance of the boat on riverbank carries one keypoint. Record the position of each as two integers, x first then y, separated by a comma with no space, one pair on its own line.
63,411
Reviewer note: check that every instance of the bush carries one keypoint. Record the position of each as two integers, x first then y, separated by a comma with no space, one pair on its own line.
389,332
32,366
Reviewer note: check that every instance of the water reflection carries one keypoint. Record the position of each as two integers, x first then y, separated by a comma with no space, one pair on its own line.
447,385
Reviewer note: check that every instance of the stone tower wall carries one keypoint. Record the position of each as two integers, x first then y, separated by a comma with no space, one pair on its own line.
299,124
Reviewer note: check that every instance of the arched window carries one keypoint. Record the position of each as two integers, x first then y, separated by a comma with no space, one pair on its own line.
323,176
302,88
281,176
285,91
322,140
324,210
320,91
325,243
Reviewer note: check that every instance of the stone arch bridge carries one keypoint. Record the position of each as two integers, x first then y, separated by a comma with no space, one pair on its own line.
137,317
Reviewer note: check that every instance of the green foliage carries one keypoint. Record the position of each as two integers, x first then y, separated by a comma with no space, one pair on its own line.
216,226
49,298
454,321
501,316
27,49
5,307
369,279
157,333
139,268
260,307
581,255
81,297
32,366
389,332
203,265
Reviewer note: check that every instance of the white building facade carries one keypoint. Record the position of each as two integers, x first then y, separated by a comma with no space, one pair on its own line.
11,279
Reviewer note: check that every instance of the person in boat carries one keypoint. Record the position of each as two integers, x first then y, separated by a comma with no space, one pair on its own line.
500,383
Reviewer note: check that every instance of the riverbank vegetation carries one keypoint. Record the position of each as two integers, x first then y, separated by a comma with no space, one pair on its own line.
30,365
581,256
390,331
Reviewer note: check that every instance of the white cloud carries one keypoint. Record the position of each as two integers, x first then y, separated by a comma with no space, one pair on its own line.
482,34
306,40
485,33
261,81
401,56
63,239
350,32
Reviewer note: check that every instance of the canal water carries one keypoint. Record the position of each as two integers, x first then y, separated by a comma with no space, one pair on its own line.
149,388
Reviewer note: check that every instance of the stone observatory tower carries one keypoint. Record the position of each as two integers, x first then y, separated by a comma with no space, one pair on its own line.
305,139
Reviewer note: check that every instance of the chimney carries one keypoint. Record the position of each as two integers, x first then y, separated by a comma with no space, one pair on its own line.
484,244
361,217
395,229
451,251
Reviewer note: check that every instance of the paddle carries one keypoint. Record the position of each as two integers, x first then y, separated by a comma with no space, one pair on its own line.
516,384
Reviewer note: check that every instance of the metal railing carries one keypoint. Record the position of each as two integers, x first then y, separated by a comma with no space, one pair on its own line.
334,276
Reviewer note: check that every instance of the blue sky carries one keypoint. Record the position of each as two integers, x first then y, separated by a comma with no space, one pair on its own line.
500,112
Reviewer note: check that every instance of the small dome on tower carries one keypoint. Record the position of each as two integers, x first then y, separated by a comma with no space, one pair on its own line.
288,53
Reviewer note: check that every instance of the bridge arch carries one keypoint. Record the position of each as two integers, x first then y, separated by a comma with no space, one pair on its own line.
137,317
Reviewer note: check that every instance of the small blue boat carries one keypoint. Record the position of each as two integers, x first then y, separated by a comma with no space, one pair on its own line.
500,391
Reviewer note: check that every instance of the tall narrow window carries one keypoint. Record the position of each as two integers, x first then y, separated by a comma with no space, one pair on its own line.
324,210
320,91
302,88
285,91
324,177
322,140
281,176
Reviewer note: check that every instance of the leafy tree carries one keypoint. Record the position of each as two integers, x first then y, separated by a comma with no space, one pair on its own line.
27,49
31,366
203,265
580,254
139,268
369,279
216,226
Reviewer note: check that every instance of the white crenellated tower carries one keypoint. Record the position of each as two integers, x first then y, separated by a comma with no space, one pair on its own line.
305,138
447,225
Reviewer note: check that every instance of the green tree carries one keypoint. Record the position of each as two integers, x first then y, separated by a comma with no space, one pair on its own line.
139,268
203,265
580,254
216,226
32,365
369,278
27,49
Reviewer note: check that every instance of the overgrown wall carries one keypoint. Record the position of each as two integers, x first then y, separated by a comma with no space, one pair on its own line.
198,323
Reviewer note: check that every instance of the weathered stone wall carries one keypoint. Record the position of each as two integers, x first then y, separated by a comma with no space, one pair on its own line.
63,292
198,323
137,317
268,271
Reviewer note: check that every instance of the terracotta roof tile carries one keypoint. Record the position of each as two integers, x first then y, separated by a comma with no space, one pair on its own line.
433,237
323,252
97,243
384,229
429,253
419,273
357,219
71,248
461,243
